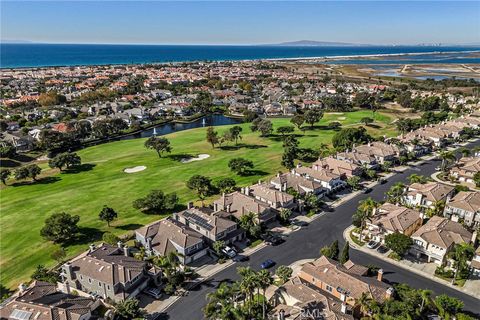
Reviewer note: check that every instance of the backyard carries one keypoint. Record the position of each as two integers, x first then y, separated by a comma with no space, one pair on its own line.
102,181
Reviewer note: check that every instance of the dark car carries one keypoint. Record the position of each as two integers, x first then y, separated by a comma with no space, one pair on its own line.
274,241
382,181
241,258
267,264
367,190
382,249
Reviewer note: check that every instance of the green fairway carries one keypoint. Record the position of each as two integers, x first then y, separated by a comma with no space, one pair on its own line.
24,208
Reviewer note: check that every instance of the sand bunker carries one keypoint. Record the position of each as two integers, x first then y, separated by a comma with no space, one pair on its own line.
134,169
342,118
198,158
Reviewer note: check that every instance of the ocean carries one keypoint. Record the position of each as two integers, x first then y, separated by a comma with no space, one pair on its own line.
41,55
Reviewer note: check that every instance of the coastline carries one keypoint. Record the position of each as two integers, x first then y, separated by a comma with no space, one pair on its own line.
323,58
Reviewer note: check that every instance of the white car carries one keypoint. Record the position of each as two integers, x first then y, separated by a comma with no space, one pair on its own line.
230,252
372,244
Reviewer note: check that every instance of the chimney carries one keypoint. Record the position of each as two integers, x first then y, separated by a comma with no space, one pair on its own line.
380,275
67,270
126,251
278,174
344,308
22,287
228,208
67,287
389,293
247,191
190,205
149,243
474,237
120,244
91,247
281,314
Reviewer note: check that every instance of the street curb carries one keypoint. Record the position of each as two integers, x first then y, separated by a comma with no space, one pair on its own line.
353,245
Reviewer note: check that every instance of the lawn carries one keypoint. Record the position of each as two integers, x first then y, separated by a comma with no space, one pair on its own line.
25,207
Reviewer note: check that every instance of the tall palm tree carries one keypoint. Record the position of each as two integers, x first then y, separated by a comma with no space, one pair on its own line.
426,294
394,195
264,278
447,157
437,209
364,303
366,208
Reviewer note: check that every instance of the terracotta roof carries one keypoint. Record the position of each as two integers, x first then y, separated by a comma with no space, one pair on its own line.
269,194
395,218
340,167
432,191
443,232
206,219
296,182
466,200
321,175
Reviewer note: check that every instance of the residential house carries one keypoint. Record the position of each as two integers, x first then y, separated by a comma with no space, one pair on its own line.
296,299
22,143
464,206
210,224
361,159
382,151
390,218
43,301
437,237
475,264
337,166
300,184
109,272
346,282
330,181
276,199
238,204
427,194
465,169
169,235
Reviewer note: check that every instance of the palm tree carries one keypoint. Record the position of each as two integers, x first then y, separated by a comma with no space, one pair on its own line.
426,294
437,209
364,303
366,208
447,158
220,303
465,152
264,278
416,178
395,193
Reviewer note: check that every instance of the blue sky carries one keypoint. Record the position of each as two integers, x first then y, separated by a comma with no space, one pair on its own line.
229,22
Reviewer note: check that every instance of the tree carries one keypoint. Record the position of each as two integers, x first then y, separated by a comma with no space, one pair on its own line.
366,120
43,274
461,254
347,137
345,254
108,214
248,222
155,201
158,144
67,159
298,120
226,185
58,254
235,133
398,242
212,136
416,178
284,214
364,212
110,238
33,171
447,157
263,125
128,309
436,210
312,116
334,125
201,185
283,273
354,182
331,251
51,98
218,246
447,306
21,173
60,227
240,166
264,280
7,150
285,130
476,179
395,193
288,159
4,174
363,100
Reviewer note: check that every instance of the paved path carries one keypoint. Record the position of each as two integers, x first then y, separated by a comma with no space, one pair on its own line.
306,244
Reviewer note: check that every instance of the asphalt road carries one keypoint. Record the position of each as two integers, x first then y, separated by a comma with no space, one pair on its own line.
306,243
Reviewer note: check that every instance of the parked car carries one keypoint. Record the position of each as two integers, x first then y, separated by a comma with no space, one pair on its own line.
267,264
229,252
241,258
274,241
382,249
372,244
367,190
438,168
153,292
382,181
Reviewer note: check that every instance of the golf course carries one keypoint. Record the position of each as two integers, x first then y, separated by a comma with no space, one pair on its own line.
101,180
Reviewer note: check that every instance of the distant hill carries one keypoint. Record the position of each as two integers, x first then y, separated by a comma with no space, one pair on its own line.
14,41
311,43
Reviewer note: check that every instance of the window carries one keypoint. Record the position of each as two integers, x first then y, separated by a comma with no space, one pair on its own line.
99,284
329,289
108,287
89,280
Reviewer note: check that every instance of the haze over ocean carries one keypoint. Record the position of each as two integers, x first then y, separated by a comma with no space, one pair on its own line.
40,55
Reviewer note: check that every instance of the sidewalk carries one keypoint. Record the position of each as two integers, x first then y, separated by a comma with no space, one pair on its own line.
422,269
